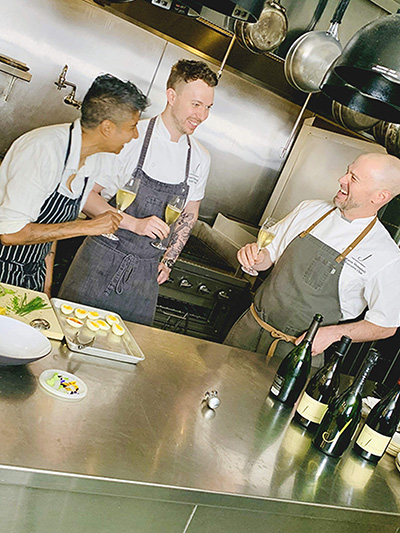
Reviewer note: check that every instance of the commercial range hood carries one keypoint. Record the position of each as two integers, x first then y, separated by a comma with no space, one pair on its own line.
197,25
218,12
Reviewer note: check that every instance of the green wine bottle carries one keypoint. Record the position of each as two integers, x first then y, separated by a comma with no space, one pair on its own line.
379,427
321,389
293,371
340,421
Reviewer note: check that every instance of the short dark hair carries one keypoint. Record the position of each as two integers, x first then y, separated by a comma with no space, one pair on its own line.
110,98
189,70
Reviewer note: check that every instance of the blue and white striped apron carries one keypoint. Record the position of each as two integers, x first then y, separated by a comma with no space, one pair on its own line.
23,265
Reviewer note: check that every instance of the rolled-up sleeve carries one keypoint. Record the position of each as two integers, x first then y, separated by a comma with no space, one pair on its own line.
25,183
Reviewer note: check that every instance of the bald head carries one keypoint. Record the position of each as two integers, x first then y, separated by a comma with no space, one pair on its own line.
370,182
384,170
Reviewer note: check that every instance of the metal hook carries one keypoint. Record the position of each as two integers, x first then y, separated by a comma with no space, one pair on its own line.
221,68
293,132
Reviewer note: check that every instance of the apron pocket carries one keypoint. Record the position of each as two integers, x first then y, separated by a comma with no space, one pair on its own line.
121,277
318,272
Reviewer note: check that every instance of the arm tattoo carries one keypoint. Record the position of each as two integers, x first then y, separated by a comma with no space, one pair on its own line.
180,235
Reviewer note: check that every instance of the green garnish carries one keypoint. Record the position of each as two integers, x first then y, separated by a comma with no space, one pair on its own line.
4,291
22,307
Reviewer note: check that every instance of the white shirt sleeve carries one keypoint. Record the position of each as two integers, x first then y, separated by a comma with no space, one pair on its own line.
107,172
285,231
26,180
382,293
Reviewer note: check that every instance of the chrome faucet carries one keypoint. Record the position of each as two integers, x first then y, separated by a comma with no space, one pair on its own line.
62,83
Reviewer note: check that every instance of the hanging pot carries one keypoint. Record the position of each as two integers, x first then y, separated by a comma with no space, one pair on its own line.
392,139
379,132
387,134
350,119
295,33
266,34
371,64
311,55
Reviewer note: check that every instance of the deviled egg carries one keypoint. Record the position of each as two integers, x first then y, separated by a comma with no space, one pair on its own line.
74,322
66,309
117,330
93,325
93,315
111,319
80,313
103,324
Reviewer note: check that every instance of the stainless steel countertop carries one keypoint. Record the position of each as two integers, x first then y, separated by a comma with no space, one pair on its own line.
145,424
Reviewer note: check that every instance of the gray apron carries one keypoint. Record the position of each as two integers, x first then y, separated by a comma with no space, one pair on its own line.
121,276
304,281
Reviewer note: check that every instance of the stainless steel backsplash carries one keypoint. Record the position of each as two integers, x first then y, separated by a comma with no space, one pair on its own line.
244,134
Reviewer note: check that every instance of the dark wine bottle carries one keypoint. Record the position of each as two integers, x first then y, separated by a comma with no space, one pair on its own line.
379,427
340,421
321,389
293,371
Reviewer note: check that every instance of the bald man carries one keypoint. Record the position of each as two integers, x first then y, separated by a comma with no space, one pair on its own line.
335,259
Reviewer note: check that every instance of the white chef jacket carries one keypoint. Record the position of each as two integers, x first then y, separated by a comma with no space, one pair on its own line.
371,272
33,168
165,161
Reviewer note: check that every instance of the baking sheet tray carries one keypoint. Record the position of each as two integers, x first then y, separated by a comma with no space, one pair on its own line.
106,344
54,332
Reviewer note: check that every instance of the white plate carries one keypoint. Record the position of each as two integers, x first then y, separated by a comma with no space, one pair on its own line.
20,343
62,392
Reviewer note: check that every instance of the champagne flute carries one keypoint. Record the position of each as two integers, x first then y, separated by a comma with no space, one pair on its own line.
125,196
264,238
172,211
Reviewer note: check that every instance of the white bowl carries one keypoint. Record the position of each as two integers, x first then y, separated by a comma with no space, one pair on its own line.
20,343
396,439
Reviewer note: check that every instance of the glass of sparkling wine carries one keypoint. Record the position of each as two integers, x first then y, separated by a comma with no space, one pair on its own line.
125,196
172,211
264,237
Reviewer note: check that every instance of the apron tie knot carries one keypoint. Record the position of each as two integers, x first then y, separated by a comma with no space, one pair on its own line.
275,333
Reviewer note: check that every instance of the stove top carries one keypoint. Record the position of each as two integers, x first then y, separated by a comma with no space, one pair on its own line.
199,252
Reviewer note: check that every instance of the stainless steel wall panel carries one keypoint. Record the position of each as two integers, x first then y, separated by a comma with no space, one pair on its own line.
244,133
46,35
246,129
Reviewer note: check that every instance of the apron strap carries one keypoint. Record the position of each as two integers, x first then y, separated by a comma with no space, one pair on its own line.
305,232
146,143
188,159
356,241
69,145
351,246
278,335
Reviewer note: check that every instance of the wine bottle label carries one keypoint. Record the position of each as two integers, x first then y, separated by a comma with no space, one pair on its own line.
311,409
372,442
277,384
